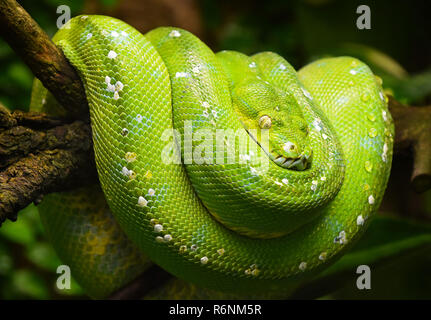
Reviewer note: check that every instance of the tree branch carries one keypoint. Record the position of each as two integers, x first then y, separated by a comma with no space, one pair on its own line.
43,57
413,135
38,161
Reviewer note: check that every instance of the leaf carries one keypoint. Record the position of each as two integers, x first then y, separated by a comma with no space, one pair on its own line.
23,230
6,262
28,284
43,255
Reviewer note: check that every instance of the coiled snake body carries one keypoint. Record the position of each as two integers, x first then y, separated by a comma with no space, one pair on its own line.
257,219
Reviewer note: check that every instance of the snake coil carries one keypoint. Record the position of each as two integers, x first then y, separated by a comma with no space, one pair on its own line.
317,156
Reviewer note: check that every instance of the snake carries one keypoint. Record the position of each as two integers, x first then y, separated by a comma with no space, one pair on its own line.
232,172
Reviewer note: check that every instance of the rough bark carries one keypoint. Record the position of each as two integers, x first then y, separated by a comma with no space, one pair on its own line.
40,155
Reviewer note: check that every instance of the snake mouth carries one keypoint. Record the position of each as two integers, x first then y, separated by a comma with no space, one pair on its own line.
298,163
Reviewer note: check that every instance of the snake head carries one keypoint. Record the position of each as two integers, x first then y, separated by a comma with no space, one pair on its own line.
287,145
273,111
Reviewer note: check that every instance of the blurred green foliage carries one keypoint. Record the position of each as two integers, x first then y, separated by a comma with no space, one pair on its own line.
28,262
397,48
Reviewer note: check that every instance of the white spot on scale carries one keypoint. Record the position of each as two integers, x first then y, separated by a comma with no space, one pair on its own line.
282,67
384,154
167,237
252,65
139,118
151,192
116,95
285,181
119,86
142,202
124,34
341,238
204,260
314,185
114,34
112,54
160,239
360,220
316,124
322,256
196,69
384,115
174,34
306,93
89,36
303,266
278,183
353,71
125,171
158,228
107,79
371,199
130,156
182,75
111,87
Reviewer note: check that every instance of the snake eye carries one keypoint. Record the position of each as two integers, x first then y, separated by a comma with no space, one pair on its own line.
265,122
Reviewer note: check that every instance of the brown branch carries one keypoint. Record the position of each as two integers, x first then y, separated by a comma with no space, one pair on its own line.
36,162
43,57
413,135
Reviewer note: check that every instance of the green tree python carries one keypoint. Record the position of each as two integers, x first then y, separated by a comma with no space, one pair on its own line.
297,184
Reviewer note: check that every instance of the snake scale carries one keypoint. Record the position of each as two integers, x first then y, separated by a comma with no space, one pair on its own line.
260,218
